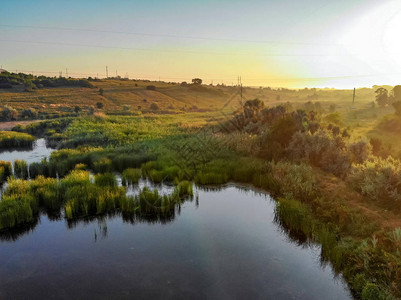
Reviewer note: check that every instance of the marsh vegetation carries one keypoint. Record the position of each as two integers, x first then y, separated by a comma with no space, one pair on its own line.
335,171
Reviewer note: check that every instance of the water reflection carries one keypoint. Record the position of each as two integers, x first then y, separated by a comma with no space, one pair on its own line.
228,247
12,235
35,154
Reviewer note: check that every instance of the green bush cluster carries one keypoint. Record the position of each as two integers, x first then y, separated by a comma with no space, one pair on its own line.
379,179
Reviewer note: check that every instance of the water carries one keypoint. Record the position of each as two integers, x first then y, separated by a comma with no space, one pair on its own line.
225,245
36,154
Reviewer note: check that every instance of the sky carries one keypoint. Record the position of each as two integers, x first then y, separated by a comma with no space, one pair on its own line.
294,44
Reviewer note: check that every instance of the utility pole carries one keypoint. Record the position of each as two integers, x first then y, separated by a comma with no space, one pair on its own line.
240,84
353,98
107,72
66,72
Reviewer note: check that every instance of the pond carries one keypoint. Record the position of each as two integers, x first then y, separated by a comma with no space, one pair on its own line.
225,244
35,154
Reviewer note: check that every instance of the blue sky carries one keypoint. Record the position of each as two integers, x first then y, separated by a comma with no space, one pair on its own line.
270,43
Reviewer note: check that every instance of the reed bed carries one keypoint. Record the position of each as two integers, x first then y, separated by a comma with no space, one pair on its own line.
131,176
5,171
11,139
20,169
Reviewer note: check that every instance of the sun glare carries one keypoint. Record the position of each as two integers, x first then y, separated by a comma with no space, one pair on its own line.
373,42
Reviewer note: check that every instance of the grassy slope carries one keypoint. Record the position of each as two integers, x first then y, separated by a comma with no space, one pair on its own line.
118,93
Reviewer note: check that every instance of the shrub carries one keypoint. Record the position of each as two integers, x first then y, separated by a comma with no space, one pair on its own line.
154,106
29,113
379,179
322,149
360,151
372,292
296,181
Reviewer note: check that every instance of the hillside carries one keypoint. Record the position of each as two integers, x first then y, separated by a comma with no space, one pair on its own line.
133,96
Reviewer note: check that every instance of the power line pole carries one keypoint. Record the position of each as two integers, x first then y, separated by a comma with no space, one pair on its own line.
353,98
66,72
240,84
107,72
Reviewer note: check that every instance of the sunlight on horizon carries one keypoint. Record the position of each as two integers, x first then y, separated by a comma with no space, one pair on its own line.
342,45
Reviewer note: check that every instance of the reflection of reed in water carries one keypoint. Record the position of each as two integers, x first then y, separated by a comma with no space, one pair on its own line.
13,234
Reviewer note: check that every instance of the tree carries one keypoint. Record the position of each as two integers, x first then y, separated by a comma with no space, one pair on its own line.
99,105
197,81
397,93
101,92
77,109
397,107
154,106
382,97
9,113
29,113
252,107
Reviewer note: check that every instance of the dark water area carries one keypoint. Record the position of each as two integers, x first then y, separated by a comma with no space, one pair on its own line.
225,244
35,154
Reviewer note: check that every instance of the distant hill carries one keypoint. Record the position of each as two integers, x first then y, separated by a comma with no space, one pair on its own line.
54,97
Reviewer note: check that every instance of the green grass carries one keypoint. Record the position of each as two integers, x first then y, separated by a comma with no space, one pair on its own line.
131,176
170,148
20,169
11,139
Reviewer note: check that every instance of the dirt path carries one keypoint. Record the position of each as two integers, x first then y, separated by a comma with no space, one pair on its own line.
11,124
336,188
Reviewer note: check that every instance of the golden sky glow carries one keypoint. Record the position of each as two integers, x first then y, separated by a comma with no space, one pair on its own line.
270,43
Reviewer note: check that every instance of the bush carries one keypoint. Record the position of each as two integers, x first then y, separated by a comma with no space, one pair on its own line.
154,106
360,151
322,149
379,179
372,292
296,181
29,113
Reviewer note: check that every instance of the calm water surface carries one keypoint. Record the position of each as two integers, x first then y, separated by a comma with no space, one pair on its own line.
225,245
36,154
